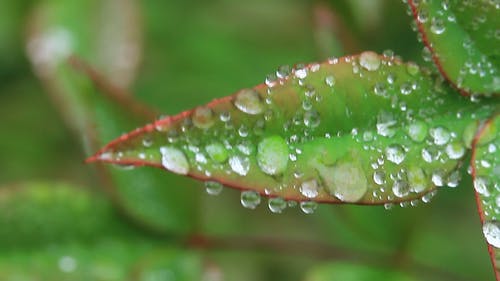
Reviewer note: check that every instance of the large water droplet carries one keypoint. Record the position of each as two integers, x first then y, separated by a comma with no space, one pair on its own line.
203,117
250,199
239,164
213,187
369,60
276,205
174,160
308,207
491,231
395,153
249,101
346,181
272,155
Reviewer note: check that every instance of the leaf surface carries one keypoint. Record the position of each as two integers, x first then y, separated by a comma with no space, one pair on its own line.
363,129
485,164
463,39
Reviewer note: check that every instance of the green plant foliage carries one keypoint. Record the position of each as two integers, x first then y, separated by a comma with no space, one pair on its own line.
463,38
373,128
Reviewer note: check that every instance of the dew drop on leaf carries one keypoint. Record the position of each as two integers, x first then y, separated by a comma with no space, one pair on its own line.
213,187
491,231
308,207
309,189
249,101
217,152
277,205
203,117
174,160
369,60
395,153
417,131
239,164
400,188
250,199
272,155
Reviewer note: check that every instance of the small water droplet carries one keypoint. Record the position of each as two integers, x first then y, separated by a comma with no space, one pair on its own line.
417,131
379,177
395,153
369,60
330,81
437,26
416,179
250,199
217,152
491,231
249,101
277,205
481,185
455,150
400,188
203,117
174,160
312,119
440,135
308,207
239,164
213,187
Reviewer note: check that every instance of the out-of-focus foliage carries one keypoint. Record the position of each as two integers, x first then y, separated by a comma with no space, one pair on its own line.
192,52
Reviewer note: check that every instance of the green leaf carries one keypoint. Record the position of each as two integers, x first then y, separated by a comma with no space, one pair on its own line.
106,260
35,214
463,39
56,32
485,164
363,129
354,272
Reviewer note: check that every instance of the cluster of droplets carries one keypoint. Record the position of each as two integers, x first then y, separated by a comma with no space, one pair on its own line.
487,181
231,139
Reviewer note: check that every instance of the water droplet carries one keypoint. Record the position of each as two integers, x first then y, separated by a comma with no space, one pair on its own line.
395,153
276,205
379,177
417,131
369,60
301,72
239,164
412,68
400,188
203,117
491,231
437,178
455,150
67,264
174,160
213,187
249,101
309,188
311,119
406,88
437,26
481,186
272,155
330,81
346,181
250,199
440,135
416,179
217,152
308,207
380,89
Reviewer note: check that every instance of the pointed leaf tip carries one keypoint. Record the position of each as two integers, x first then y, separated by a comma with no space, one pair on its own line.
342,131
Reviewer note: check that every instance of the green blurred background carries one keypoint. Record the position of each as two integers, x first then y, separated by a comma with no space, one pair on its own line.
63,220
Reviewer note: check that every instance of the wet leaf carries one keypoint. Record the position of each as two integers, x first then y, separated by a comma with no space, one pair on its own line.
354,272
463,38
485,164
363,129
56,32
